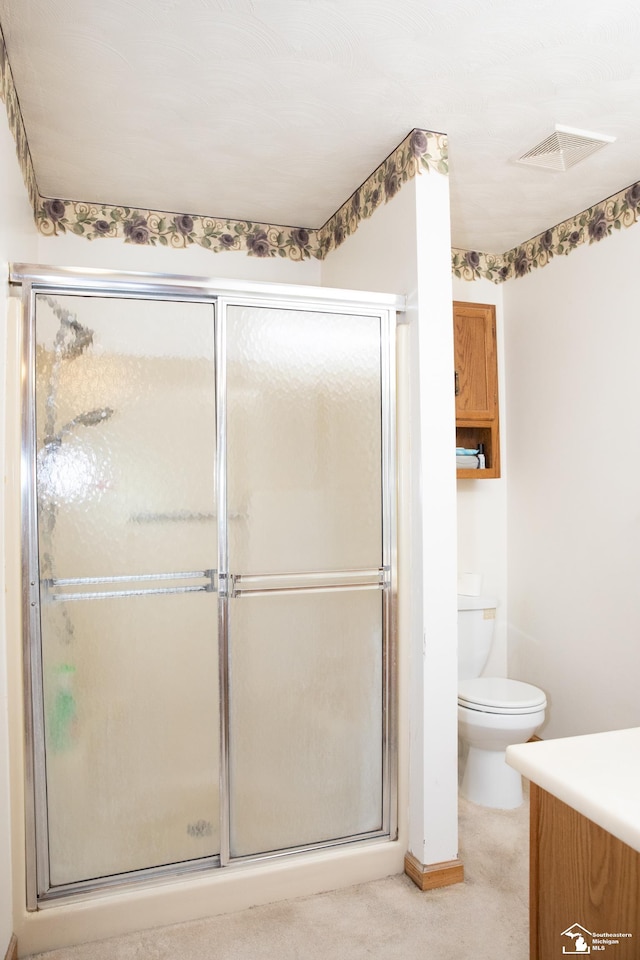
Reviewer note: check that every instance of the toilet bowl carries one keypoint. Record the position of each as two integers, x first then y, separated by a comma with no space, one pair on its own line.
493,712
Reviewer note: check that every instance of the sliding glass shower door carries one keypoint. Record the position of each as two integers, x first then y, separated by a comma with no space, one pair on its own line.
208,581
127,542
304,543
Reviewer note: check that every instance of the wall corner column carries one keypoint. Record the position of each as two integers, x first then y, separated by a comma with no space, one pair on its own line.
432,858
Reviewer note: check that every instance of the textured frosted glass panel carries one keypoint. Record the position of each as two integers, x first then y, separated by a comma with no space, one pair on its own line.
304,441
125,415
305,719
125,399
131,722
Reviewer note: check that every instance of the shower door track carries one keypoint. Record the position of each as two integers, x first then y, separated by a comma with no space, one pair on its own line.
228,585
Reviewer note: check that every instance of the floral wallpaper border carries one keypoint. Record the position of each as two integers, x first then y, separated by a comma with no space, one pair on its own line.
421,151
590,226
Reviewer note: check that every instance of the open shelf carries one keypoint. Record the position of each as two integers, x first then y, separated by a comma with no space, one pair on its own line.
470,434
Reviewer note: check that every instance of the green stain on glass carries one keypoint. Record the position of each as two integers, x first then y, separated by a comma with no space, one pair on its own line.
63,710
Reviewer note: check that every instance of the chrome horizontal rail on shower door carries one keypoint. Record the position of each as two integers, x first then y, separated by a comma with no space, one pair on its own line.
51,586
111,594
254,585
185,575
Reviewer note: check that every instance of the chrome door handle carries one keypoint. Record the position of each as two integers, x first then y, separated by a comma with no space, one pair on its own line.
51,587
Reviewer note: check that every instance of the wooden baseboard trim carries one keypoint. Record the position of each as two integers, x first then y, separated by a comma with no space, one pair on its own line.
12,949
431,875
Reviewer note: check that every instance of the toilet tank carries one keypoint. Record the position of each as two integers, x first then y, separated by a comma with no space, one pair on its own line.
476,622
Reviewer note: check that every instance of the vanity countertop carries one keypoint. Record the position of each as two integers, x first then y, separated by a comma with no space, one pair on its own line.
597,774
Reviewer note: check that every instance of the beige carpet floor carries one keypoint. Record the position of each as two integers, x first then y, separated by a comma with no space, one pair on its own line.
484,918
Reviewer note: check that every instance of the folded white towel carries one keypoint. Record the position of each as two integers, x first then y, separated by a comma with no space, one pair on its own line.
471,463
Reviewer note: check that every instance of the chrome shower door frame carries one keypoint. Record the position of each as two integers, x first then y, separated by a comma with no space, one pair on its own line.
220,294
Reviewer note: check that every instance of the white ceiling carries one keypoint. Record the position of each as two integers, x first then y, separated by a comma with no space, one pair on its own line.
276,110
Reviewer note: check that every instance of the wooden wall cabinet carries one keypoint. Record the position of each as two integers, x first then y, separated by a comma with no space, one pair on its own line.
476,385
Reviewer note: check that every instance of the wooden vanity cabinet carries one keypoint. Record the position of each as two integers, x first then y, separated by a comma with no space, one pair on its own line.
476,385
583,882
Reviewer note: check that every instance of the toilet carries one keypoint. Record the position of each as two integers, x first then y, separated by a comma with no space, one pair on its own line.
493,712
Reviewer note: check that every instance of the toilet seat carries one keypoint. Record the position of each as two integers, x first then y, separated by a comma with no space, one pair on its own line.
500,695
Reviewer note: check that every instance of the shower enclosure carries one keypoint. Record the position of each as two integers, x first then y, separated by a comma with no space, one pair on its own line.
209,574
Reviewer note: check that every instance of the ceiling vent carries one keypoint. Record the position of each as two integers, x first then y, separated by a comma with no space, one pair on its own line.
564,148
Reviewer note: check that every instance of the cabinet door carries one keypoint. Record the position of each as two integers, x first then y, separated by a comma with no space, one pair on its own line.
474,331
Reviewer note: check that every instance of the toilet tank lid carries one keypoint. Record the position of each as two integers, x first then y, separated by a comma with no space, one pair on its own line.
476,603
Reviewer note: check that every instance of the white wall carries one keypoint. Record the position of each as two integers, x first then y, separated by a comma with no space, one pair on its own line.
17,240
482,504
68,250
405,248
572,337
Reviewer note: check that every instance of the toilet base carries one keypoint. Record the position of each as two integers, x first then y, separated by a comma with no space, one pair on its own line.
489,782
